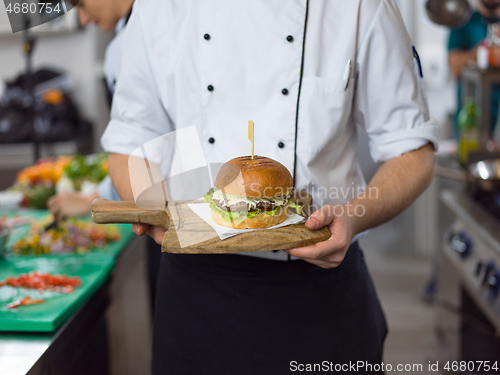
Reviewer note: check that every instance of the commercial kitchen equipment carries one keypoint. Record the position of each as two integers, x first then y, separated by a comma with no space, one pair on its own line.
468,286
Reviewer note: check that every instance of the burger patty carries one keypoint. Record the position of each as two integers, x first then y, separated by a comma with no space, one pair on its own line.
243,206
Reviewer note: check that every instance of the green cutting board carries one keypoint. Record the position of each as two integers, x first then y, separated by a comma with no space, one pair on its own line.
48,316
93,267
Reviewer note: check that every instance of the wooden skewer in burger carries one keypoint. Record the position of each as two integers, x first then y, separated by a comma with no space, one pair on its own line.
251,192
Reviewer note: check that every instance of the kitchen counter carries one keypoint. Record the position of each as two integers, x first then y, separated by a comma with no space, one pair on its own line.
468,281
472,244
474,215
80,339
454,196
80,344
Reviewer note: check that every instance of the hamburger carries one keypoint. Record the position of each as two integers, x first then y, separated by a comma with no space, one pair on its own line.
251,193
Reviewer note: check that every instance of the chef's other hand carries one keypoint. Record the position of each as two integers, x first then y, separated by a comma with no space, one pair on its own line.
156,232
70,203
329,253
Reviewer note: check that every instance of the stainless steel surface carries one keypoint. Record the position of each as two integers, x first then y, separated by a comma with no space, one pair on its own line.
18,353
484,174
475,217
80,343
57,352
447,322
452,173
453,13
486,170
128,334
470,246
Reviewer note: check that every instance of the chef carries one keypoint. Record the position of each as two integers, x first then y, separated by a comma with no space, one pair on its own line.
107,15
306,72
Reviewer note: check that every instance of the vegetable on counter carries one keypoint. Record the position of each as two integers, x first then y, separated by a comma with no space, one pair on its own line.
24,301
13,222
44,172
71,236
37,196
43,281
65,173
92,168
38,182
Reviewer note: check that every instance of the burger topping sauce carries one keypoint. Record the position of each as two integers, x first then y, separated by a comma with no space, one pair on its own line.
240,203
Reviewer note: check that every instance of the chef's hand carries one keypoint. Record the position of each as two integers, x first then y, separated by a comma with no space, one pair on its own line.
329,253
70,204
156,232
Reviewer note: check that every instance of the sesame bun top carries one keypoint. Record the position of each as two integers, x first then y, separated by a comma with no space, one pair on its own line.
261,177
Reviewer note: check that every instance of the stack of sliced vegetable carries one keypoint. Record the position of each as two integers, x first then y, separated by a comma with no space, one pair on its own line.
71,236
41,282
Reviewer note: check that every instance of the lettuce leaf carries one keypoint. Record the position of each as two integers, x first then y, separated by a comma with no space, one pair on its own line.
295,206
252,213
272,212
289,204
228,215
240,215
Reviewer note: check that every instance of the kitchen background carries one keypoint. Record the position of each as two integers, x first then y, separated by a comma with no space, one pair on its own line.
403,255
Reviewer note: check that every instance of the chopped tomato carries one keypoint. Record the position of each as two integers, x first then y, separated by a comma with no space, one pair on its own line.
43,281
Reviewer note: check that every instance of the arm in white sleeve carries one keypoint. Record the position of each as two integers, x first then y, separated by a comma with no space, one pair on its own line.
390,102
137,114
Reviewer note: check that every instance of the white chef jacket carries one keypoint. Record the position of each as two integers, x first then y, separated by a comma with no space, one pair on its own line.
112,61
218,64
112,58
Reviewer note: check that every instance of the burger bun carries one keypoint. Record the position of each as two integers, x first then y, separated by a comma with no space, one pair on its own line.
260,177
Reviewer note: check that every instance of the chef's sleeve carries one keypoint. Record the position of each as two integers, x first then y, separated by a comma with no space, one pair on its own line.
106,190
390,103
137,114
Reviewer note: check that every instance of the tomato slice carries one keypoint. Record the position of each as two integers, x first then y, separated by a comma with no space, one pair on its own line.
43,281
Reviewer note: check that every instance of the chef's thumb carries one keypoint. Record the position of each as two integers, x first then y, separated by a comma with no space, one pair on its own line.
321,218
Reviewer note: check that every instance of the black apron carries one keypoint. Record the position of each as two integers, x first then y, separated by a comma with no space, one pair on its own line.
235,314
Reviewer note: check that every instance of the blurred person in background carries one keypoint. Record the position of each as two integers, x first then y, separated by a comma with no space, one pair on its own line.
462,47
107,15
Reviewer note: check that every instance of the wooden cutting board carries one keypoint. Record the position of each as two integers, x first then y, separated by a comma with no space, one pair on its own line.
188,234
